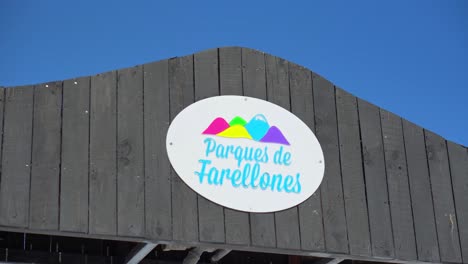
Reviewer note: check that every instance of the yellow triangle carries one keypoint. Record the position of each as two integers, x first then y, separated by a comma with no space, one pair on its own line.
236,131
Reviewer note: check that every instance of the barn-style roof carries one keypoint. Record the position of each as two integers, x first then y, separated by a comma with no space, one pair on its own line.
87,157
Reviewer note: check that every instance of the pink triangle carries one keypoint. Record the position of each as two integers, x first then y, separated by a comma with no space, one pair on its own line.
217,126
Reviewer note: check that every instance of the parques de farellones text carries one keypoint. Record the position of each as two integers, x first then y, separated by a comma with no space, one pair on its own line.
248,173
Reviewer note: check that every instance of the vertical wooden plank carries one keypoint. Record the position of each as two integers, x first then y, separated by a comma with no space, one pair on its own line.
354,188
2,116
130,174
310,211
398,187
277,79
444,208
184,199
459,171
157,168
253,73
287,221
75,156
376,180
210,215
421,197
230,69
262,226
334,217
103,156
45,170
2,108
16,157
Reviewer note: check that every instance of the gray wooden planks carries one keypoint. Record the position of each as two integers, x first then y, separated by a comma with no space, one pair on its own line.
458,156
376,181
184,199
444,207
2,116
262,226
354,188
130,171
262,229
230,71
103,155
237,227
421,196
239,69
277,77
16,156
334,217
310,211
158,209
75,156
210,215
45,170
398,187
230,77
253,73
277,81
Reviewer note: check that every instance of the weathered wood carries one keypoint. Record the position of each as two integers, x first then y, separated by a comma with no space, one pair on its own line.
45,170
158,209
16,157
210,215
421,197
103,155
354,188
302,100
444,207
206,74
287,229
277,77
398,186
236,223
237,226
376,180
75,156
230,71
334,217
98,160
184,199
130,160
277,81
262,226
253,73
458,156
310,211
210,245
2,116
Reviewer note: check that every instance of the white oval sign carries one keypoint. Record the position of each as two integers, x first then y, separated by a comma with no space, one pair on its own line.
245,153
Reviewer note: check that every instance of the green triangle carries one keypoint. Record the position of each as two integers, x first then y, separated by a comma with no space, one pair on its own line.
238,121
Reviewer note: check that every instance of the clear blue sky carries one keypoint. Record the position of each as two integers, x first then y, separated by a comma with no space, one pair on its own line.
409,57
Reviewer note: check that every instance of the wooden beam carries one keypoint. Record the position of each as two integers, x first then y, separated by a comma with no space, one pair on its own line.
329,261
219,254
139,252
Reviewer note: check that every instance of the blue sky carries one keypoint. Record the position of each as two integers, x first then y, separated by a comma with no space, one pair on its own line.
409,57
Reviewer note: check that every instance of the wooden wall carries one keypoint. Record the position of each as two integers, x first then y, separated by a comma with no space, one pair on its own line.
86,157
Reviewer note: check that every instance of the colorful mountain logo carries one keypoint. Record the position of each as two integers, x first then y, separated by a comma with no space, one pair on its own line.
256,129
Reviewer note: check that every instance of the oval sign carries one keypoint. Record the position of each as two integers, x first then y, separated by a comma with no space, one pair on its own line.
245,153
